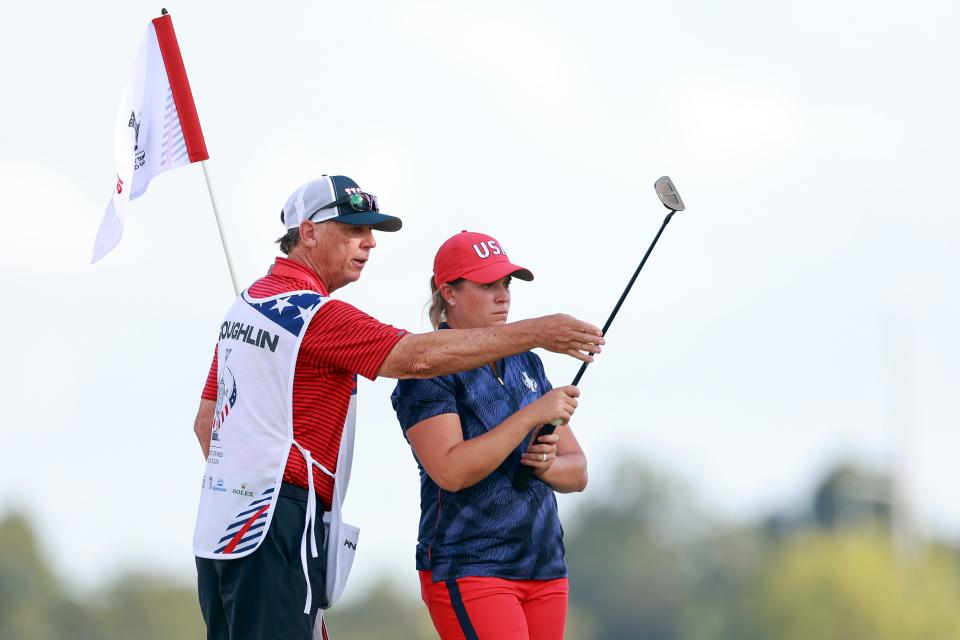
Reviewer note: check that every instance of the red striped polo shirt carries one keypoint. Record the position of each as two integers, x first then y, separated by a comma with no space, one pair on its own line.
340,341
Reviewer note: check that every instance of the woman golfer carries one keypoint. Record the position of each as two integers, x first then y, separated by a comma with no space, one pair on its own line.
490,558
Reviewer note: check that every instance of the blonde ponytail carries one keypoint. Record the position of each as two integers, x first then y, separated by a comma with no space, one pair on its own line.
437,309
437,306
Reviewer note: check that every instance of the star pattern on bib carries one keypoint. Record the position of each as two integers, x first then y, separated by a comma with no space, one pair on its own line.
292,311
281,304
305,314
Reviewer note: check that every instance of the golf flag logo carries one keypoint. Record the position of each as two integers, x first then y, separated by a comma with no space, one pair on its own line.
157,128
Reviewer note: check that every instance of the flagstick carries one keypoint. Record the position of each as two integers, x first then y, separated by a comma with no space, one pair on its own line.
223,238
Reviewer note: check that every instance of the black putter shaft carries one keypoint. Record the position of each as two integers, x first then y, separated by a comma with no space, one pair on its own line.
522,477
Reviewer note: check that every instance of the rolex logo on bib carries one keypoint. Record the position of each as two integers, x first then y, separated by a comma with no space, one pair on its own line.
242,491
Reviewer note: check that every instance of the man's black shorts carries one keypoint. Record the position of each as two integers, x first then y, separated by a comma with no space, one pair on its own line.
261,596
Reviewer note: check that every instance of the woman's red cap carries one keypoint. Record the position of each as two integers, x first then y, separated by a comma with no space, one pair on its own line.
476,257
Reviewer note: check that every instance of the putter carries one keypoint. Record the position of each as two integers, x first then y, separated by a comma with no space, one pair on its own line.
671,200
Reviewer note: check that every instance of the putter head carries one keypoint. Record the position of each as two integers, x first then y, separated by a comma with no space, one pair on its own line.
668,194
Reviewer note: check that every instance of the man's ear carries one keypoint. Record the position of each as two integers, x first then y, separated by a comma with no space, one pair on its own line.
309,233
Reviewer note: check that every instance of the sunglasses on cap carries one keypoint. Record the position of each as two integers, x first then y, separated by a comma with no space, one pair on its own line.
359,202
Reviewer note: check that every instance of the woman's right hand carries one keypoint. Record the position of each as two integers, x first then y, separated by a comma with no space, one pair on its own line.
557,404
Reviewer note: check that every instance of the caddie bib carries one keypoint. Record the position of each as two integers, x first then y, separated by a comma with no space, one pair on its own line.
253,423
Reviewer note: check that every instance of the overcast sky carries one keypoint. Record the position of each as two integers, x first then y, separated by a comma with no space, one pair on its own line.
798,313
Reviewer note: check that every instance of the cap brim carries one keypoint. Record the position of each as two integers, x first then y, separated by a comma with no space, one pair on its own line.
374,219
497,270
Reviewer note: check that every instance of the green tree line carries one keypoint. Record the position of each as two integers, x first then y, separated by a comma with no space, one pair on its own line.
644,562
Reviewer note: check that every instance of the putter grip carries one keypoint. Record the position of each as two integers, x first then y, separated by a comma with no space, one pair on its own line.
522,477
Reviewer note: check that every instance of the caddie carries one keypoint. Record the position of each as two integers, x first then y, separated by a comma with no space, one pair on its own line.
277,414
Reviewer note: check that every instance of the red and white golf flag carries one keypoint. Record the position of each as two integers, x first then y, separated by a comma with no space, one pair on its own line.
157,127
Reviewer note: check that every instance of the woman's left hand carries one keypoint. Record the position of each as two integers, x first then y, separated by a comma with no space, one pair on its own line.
541,455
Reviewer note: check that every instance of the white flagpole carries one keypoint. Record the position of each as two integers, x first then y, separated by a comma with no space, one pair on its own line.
223,237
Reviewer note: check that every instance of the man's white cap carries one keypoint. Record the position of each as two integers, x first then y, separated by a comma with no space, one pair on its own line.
335,198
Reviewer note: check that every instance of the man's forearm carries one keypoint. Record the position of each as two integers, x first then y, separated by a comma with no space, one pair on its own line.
441,352
425,355
203,425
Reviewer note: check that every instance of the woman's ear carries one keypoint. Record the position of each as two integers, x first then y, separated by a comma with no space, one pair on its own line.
448,294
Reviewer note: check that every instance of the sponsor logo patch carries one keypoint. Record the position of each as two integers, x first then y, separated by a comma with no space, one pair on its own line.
530,383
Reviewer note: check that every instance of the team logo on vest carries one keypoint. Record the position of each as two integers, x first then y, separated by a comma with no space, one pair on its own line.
226,398
529,382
